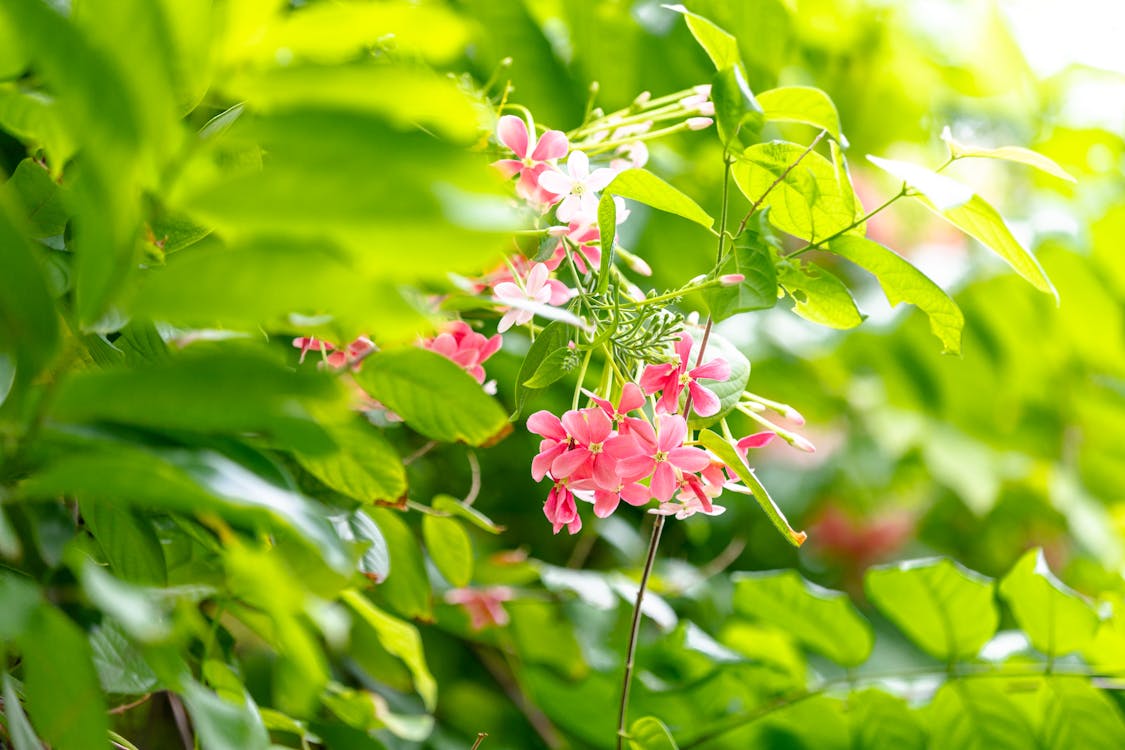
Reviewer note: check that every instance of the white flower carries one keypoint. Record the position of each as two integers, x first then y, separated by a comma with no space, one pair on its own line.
577,186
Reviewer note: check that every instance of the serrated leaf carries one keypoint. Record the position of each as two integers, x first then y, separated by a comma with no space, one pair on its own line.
738,115
977,715
719,45
964,209
902,282
365,467
453,506
757,291
825,621
407,587
19,728
449,548
120,666
944,608
1016,154
649,733
807,195
818,295
728,455
400,639
645,187
1055,618
803,104
434,395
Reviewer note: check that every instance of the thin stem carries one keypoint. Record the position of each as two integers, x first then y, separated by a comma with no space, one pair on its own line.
130,706
474,486
480,739
120,741
581,378
813,245
634,629
780,178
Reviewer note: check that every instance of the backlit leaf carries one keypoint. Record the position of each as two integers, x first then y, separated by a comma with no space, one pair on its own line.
449,548
803,104
1055,617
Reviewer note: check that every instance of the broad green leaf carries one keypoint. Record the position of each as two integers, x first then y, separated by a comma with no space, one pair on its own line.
757,291
357,526
818,294
365,467
41,198
1016,154
128,540
964,209
10,545
64,699
738,115
401,639
1076,714
435,396
803,104
120,666
455,507
18,727
136,609
28,322
728,455
808,197
944,608
450,548
407,587
37,121
730,390
719,45
825,621
645,187
880,721
21,600
554,367
902,282
650,733
555,337
222,724
977,715
1055,618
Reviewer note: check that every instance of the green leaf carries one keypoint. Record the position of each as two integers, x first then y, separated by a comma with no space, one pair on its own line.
803,104
368,711
825,621
120,666
453,506
964,209
400,639
357,526
719,45
19,728
554,367
553,338
881,721
449,548
1078,715
135,608
649,733
435,396
757,291
944,608
128,540
36,120
21,600
1015,154
407,587
902,282
64,698
807,195
645,187
222,724
738,115
728,455
977,715
41,199
365,467
818,294
1056,618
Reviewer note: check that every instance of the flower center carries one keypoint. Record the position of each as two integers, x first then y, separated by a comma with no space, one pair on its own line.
595,448
660,457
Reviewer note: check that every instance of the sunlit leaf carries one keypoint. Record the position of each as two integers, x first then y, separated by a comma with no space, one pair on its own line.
818,294
977,715
719,45
880,720
645,187
449,548
1056,618
1076,714
803,104
1016,154
400,639
650,733
757,291
738,114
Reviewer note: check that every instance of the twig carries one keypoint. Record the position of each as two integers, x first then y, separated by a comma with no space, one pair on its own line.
183,725
419,453
480,739
505,678
474,486
756,204
129,706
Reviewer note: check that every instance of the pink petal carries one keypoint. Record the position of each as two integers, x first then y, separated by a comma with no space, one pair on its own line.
569,463
683,350
575,424
508,167
570,207
546,424
552,145
757,440
634,468
631,398
537,278
490,347
642,432
560,292
669,402
716,369
605,472
508,290
507,320
689,459
620,447
654,377
663,483
598,423
512,132
703,401
635,494
673,430
605,503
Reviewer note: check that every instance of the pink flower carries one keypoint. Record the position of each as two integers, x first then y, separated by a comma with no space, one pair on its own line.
671,378
578,186
469,349
688,508
308,344
757,440
532,155
353,356
663,456
484,606
606,500
594,450
632,398
537,289
561,509
555,442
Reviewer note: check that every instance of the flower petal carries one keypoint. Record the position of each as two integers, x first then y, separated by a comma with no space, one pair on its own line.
689,459
552,145
704,402
546,424
599,179
716,369
578,165
663,483
555,182
512,132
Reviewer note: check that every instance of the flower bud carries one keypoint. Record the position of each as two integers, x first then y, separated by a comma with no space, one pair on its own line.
699,123
642,99
731,279
703,89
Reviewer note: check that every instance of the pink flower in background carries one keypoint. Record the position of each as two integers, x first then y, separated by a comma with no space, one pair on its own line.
671,378
577,186
662,455
561,509
308,344
469,349
484,605
353,355
532,154
537,289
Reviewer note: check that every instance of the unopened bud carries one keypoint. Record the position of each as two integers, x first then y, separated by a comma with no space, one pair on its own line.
801,443
699,123
731,279
707,108
697,280
703,88
637,265
790,413
642,99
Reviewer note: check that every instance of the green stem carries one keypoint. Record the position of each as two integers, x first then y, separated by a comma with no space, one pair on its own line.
813,245
780,178
604,146
581,379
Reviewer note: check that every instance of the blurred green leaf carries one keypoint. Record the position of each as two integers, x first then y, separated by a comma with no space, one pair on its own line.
757,291
1056,618
38,121
977,715
18,727
357,526
970,213
41,199
400,639
128,540
21,599
818,294
369,711
1015,154
803,104
1076,714
883,721
649,733
365,467
902,282
120,666
453,506
407,587
720,46
450,549
824,620
944,608
222,724
435,396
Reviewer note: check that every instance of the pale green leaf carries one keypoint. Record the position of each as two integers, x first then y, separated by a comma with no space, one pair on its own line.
453,506
400,639
649,733
818,294
1056,618
1016,154
738,115
803,104
719,45
757,291
645,187
977,715
365,467
357,526
449,548
1078,715
880,721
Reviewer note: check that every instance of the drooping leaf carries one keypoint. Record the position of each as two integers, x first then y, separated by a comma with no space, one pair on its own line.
365,467
977,715
367,711
964,209
449,548
902,282
645,187
823,620
738,114
1056,618
435,396
407,587
553,368
727,454
400,639
757,291
649,733
944,608
719,45
818,294
1016,154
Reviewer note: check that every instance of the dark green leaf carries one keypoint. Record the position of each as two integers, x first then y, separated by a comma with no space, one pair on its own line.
818,294
1056,618
946,609
19,728
21,599
449,548
553,367
757,291
551,339
407,587
128,540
